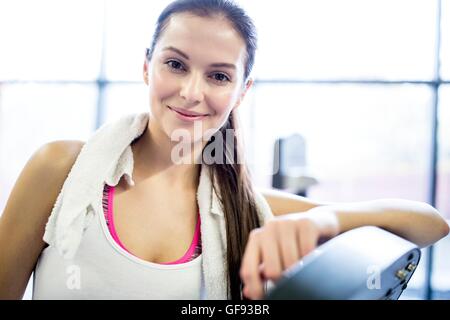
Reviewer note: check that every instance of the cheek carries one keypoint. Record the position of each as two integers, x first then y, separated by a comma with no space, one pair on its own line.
160,88
222,104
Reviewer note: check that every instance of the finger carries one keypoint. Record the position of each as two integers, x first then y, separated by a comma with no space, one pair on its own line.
250,267
307,239
271,253
289,245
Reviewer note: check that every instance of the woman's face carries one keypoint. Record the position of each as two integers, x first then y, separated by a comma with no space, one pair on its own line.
195,76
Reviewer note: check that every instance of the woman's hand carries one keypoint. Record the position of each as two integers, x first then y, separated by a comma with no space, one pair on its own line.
284,240
280,243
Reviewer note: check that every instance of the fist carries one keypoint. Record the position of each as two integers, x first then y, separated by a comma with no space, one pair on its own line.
281,243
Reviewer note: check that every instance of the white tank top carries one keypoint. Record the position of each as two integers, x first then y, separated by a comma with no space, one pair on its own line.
101,269
84,262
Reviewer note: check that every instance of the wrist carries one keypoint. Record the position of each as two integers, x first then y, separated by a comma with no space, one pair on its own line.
326,219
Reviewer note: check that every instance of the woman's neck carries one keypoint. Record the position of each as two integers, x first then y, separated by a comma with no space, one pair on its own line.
154,159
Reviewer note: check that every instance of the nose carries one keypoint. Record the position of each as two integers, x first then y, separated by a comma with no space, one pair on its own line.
192,88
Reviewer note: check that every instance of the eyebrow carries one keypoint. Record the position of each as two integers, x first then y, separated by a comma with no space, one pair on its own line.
216,65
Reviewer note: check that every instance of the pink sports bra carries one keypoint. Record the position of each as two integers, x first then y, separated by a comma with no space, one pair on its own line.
194,249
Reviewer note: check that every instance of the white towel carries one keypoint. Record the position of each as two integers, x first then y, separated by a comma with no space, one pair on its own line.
107,156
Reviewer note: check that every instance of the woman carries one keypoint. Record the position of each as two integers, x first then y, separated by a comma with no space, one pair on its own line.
125,205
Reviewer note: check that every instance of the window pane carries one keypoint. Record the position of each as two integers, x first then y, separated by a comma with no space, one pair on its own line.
362,142
445,40
443,178
345,39
123,99
441,261
329,43
50,39
32,115
130,27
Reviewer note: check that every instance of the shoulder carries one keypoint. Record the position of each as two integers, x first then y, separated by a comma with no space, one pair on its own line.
61,153
42,177
50,164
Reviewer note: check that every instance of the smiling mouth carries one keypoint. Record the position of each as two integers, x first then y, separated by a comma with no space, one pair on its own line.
187,113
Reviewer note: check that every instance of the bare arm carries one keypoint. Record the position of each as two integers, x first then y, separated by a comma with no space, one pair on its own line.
282,202
415,221
282,241
22,223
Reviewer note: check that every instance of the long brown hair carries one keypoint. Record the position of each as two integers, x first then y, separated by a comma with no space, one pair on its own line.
237,198
231,175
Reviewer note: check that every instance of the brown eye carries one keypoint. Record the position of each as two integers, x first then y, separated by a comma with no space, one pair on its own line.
173,64
221,77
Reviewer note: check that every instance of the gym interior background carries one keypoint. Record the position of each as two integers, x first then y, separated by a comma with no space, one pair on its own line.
364,84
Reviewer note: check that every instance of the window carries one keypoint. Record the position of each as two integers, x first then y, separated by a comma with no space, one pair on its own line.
347,39
50,40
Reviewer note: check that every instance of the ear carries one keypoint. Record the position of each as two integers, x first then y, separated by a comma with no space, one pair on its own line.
145,72
248,85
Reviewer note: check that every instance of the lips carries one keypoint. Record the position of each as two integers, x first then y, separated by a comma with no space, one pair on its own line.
187,113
